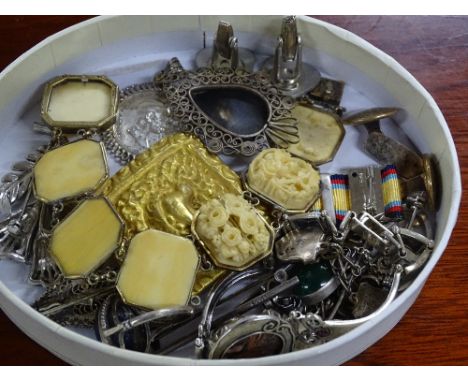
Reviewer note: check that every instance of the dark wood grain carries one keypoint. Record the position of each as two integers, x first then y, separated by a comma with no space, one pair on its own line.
435,50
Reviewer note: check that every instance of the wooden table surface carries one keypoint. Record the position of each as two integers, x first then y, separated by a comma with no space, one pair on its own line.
435,50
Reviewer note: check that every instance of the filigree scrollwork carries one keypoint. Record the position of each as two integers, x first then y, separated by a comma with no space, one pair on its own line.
231,111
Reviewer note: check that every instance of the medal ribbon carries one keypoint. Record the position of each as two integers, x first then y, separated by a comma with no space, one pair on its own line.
391,192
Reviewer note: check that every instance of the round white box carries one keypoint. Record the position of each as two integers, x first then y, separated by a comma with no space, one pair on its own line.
132,48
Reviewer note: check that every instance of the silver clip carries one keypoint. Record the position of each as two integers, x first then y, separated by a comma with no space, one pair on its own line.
374,232
305,238
225,52
288,72
327,196
365,186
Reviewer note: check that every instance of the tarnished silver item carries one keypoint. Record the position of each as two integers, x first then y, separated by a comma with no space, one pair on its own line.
327,95
317,331
43,269
288,72
142,120
327,196
270,333
373,232
268,295
383,148
75,302
253,336
414,259
222,302
368,299
305,237
112,312
232,112
225,52
365,187
19,210
155,317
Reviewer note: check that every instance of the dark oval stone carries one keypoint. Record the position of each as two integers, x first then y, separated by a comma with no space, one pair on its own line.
235,109
313,277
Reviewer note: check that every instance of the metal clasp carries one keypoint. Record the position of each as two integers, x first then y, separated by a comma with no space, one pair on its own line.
225,52
288,72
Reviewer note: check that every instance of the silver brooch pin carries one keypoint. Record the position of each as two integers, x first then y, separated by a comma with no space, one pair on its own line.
142,120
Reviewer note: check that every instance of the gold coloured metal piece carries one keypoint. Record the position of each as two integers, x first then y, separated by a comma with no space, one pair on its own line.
86,238
384,149
159,270
320,134
164,186
432,181
73,102
294,189
370,115
429,181
236,225
70,170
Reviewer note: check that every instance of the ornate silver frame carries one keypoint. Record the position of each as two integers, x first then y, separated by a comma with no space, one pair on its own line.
176,85
239,330
111,136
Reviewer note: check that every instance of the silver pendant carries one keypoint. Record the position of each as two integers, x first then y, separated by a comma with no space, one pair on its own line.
232,112
142,120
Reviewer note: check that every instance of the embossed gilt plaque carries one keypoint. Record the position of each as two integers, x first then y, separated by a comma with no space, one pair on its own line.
164,186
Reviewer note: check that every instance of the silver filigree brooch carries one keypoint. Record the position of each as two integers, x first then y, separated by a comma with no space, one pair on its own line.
231,111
